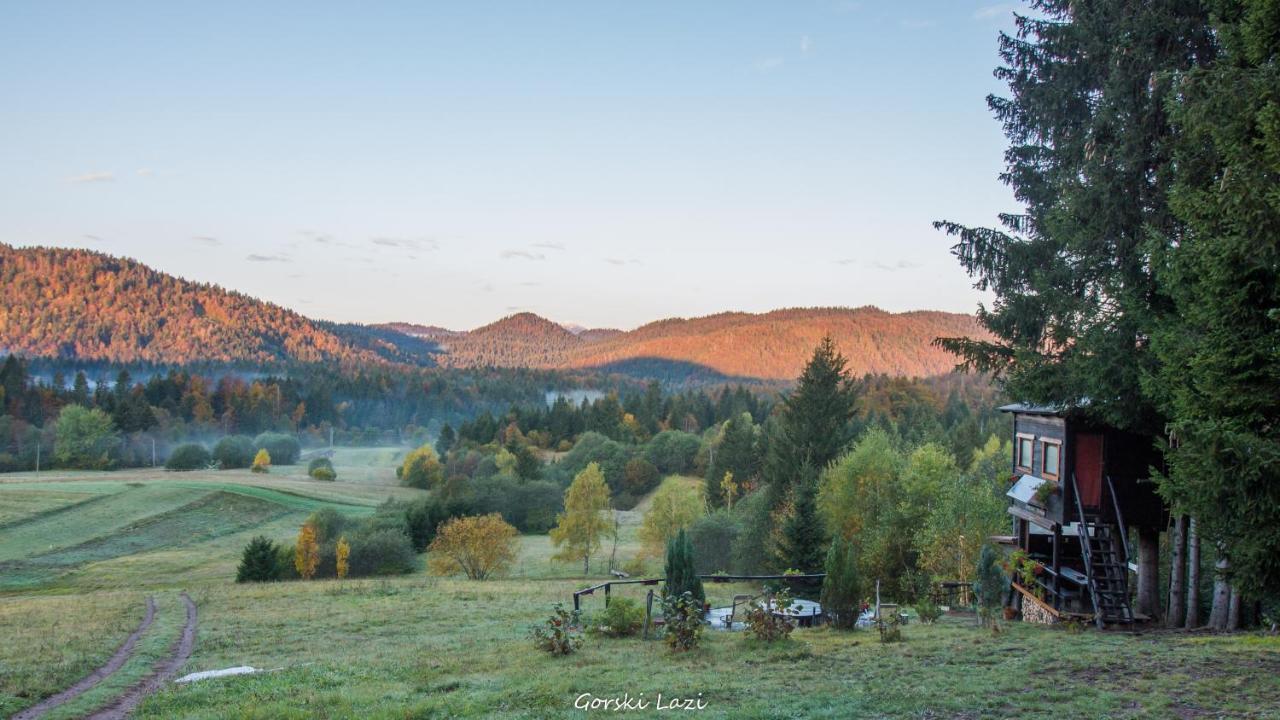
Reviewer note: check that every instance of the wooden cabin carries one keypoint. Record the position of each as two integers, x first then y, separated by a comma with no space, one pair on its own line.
1078,491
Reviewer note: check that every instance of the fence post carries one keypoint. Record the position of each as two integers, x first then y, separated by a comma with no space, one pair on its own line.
648,612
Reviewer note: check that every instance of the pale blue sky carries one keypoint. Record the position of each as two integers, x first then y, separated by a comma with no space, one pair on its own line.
604,162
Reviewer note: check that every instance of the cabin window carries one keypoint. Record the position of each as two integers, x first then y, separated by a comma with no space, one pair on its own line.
1025,445
1052,450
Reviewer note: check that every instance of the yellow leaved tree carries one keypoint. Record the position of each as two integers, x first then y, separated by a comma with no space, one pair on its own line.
306,553
261,461
479,546
340,553
676,505
581,529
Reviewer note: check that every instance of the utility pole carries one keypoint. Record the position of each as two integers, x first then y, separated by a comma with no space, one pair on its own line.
38,443
153,451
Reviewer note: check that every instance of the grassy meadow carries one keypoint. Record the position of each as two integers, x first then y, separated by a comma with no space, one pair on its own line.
80,552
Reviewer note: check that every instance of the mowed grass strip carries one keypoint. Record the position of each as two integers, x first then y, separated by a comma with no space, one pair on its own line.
112,514
21,506
50,642
210,516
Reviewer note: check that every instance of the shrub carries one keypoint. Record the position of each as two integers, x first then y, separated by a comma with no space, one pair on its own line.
328,524
639,476
341,553
381,552
890,628
989,584
321,468
284,449
841,590
478,546
622,617
927,611
673,451
284,562
191,456
261,462
259,562
682,618
558,634
767,619
679,570
234,452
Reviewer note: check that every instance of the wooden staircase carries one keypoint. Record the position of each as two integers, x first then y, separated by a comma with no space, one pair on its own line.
1104,543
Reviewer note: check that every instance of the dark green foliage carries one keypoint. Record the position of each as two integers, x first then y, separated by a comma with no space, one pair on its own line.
804,540
328,524
672,452
927,610
989,584
446,441
318,463
750,552
682,621
639,477
283,449
842,588
1090,158
592,447
681,575
530,506
622,618
713,537
558,634
190,456
284,561
324,473
1219,376
737,452
234,452
259,562
422,517
814,425
381,552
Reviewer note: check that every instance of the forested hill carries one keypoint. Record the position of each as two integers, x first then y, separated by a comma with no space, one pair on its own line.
86,305
772,345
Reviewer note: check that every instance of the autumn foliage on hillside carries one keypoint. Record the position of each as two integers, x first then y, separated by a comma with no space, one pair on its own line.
66,303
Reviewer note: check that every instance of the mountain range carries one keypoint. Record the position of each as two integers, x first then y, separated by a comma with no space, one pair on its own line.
85,305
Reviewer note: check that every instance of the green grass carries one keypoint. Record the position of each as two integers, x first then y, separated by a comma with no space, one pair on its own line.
419,646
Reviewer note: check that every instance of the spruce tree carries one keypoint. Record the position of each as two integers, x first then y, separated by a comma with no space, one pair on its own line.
1219,380
258,563
1090,158
680,572
803,536
446,441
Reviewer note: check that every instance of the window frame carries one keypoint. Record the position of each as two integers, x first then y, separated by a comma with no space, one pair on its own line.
1044,458
1030,462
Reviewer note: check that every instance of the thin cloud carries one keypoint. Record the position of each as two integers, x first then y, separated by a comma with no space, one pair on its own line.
145,172
918,24
549,245
622,261
253,257
94,238
988,12
844,261
894,267
407,243
522,255
207,240
92,177
806,44
770,63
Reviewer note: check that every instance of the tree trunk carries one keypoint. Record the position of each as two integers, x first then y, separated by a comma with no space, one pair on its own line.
1177,573
586,564
1149,573
1221,595
1233,611
1193,575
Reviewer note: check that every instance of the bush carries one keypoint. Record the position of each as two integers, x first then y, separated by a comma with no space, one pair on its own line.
479,546
927,611
285,555
622,617
673,451
989,584
767,619
191,456
259,562
234,452
321,468
841,590
380,552
261,462
284,449
328,524
639,477
559,634
682,618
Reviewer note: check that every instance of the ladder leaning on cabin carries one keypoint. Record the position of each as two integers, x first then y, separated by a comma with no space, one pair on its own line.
1105,547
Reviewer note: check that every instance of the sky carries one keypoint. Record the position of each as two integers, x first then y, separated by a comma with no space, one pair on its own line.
604,163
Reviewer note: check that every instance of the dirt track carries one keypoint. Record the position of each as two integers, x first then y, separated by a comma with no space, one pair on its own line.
179,653
106,670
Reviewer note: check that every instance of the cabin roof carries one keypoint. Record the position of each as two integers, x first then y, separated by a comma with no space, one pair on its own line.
1029,409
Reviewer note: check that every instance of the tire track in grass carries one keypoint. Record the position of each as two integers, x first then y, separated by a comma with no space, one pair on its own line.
88,682
160,674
